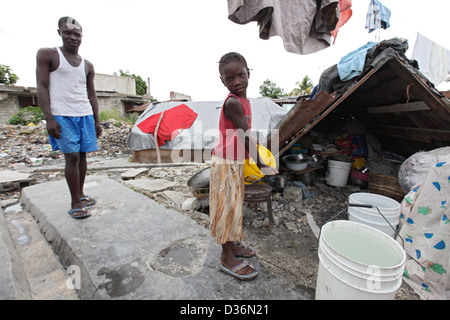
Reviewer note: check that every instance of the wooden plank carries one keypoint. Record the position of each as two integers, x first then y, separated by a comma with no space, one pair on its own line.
402,107
315,120
421,90
299,116
409,133
158,155
171,156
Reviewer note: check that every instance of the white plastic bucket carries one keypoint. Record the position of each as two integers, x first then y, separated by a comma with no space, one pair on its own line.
389,208
358,262
337,173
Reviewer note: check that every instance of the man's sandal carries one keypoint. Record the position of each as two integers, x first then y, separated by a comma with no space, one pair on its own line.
88,201
79,213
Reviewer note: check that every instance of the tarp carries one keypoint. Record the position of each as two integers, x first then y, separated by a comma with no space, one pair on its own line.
376,56
204,132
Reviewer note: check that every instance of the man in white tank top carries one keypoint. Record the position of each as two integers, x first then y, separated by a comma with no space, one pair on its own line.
66,94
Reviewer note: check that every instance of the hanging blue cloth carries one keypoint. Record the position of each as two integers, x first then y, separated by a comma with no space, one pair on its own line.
377,16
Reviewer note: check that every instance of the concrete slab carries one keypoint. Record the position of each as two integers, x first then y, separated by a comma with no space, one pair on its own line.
12,180
133,248
176,197
133,173
13,281
12,176
151,185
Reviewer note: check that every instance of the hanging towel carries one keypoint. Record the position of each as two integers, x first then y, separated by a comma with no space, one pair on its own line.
377,16
173,121
434,60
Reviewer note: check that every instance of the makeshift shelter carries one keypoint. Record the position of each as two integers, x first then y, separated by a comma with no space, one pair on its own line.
395,102
389,95
195,126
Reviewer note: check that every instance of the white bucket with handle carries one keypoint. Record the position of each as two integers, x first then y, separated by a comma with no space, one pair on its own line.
374,210
337,173
358,262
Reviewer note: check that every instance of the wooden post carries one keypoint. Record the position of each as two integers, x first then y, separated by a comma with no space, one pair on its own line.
158,155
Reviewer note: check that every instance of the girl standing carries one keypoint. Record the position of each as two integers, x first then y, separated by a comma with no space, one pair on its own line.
227,170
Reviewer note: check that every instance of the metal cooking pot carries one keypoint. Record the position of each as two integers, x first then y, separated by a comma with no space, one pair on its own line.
200,180
296,162
308,178
317,158
295,158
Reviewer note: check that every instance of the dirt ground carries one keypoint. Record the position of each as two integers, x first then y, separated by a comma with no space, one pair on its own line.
295,254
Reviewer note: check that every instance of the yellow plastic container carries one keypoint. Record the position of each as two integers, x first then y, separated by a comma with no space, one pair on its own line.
358,163
251,171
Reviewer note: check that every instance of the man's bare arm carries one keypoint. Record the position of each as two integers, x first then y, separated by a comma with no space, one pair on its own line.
92,96
43,65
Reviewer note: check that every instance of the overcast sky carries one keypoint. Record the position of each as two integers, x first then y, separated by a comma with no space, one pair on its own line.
177,43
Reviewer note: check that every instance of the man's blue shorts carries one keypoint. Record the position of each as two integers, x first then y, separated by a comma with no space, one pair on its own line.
77,135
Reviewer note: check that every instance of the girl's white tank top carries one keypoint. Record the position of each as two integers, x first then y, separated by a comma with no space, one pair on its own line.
68,89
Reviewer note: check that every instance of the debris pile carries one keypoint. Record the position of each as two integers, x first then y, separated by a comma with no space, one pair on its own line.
112,142
30,146
25,145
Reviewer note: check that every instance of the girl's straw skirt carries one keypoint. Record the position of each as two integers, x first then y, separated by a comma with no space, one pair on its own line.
226,199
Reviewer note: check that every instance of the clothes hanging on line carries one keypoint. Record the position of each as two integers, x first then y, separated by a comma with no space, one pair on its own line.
433,59
377,16
345,13
304,26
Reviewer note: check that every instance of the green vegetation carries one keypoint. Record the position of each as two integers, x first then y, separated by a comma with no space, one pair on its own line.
303,87
33,114
271,90
7,77
141,85
114,114
27,115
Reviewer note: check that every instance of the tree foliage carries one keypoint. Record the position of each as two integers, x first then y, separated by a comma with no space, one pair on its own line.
304,87
141,85
7,77
271,90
